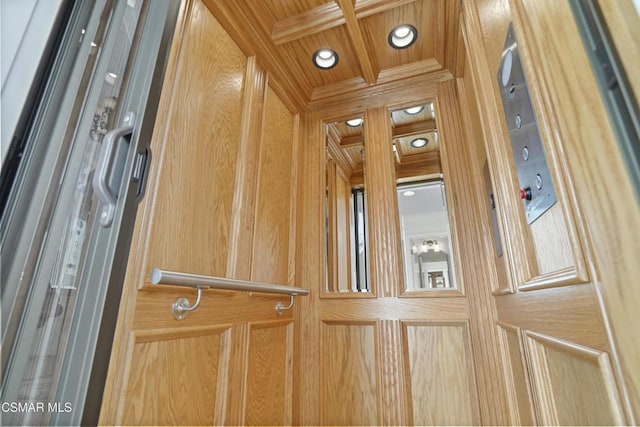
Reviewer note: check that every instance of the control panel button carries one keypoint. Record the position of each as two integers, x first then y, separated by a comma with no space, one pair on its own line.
525,193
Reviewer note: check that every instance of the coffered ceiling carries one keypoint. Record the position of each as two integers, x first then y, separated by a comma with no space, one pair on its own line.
284,34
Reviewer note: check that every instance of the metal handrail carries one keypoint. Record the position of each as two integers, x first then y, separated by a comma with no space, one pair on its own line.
181,306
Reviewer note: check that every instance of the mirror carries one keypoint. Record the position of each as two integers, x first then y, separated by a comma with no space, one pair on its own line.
422,206
346,207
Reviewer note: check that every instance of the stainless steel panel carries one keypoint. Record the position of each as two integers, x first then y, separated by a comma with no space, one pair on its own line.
531,163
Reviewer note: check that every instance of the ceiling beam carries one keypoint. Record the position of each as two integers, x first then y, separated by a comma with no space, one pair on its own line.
366,8
398,132
414,128
320,18
369,72
325,17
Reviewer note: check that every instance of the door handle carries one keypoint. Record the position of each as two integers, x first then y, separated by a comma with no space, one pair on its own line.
101,177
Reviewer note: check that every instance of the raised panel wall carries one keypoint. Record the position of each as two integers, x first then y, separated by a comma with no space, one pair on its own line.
269,374
574,385
164,369
350,374
440,374
563,268
219,202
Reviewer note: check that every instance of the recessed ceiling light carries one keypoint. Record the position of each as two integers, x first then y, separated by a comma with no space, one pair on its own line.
409,193
419,142
414,110
403,36
354,123
325,58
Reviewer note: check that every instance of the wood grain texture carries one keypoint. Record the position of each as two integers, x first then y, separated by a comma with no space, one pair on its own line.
368,67
347,309
268,399
385,257
310,269
441,380
258,42
569,313
394,406
272,215
587,140
306,23
473,271
501,282
574,385
243,219
516,376
186,214
349,393
376,29
159,391
485,25
388,91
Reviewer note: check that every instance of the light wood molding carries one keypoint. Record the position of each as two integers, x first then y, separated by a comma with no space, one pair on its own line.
366,8
556,237
473,271
497,272
609,246
310,269
441,386
331,102
517,242
383,227
566,312
367,66
312,21
353,309
520,400
562,370
242,228
414,128
392,375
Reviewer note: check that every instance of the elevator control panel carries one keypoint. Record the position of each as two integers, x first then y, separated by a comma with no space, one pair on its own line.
536,188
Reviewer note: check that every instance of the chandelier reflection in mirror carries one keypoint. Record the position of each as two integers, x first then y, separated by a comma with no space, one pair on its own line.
426,238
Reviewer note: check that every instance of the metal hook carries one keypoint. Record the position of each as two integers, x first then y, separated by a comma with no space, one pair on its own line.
280,307
181,306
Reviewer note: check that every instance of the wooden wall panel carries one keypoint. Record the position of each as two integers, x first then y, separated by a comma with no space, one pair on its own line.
516,377
195,150
574,385
350,374
224,166
440,374
164,375
269,374
273,204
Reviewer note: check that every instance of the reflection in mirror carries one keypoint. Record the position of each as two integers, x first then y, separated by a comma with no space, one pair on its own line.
426,239
424,220
346,208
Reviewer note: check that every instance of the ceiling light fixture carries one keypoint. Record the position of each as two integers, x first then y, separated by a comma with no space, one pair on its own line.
419,142
354,123
403,36
325,58
414,110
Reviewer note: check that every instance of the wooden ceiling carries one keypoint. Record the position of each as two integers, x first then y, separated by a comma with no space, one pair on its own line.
284,34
